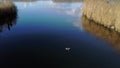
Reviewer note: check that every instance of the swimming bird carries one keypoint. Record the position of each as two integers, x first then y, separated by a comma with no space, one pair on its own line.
67,49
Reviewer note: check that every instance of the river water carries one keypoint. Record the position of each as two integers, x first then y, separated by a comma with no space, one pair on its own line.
55,34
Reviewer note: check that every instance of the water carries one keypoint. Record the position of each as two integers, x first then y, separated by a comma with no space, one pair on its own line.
45,30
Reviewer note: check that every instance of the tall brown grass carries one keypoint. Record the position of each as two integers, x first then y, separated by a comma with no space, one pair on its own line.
104,12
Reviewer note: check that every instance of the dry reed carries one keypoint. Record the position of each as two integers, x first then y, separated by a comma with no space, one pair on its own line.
104,12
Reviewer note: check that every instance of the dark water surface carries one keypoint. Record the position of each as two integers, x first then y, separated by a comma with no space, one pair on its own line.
43,31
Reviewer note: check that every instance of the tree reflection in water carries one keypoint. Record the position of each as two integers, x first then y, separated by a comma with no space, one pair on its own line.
101,32
8,15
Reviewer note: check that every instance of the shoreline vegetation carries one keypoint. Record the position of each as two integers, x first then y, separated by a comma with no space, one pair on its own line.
8,15
101,32
102,19
68,1
103,12
18,0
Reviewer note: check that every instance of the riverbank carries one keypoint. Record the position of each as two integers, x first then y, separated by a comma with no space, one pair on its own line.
104,12
68,1
7,8
8,15
101,32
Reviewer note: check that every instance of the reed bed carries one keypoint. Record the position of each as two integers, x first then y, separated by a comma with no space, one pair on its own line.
104,12
8,15
6,5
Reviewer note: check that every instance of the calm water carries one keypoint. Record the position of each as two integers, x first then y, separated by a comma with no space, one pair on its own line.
44,29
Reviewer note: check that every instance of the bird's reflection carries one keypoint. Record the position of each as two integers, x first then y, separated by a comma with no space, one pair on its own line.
68,51
8,15
101,32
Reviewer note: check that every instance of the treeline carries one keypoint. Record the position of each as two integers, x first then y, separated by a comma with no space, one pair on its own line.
67,0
